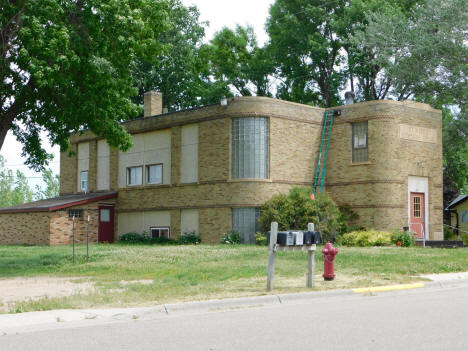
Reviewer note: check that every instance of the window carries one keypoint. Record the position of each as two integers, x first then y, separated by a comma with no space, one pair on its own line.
135,175
84,181
104,215
245,221
75,213
154,174
464,216
359,142
250,147
160,232
417,207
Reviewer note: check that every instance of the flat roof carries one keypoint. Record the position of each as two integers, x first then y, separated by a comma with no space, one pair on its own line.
58,203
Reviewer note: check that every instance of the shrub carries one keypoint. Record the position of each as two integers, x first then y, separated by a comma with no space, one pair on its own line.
134,238
296,210
143,238
402,238
366,238
347,220
465,239
233,237
261,239
448,234
190,238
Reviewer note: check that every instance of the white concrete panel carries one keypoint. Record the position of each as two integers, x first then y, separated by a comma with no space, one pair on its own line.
103,160
130,222
131,158
82,162
156,219
158,151
189,154
189,221
419,185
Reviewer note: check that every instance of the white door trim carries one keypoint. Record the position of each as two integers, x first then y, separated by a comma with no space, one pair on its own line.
420,185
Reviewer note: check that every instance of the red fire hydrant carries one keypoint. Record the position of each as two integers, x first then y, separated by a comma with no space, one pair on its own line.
328,254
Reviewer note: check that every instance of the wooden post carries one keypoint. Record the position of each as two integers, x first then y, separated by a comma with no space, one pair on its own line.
272,257
311,271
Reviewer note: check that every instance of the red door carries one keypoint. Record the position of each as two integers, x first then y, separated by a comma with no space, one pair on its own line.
106,224
417,214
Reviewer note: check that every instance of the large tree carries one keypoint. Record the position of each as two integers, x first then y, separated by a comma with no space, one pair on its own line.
181,73
14,187
426,53
307,49
65,66
238,61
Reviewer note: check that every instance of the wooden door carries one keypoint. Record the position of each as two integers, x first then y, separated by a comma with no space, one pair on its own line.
106,224
417,214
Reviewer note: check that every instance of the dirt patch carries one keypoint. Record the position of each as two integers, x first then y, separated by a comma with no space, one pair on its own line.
20,289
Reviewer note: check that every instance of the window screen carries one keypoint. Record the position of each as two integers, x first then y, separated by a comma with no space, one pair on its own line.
135,175
464,216
250,147
245,221
360,142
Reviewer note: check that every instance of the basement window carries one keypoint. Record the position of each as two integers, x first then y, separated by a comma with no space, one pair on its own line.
75,213
160,232
135,175
359,142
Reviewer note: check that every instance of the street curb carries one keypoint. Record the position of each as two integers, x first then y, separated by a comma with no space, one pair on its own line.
383,288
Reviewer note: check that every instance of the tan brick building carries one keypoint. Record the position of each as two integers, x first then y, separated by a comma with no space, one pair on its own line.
209,169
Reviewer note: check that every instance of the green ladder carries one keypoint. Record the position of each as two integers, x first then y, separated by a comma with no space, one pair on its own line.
328,137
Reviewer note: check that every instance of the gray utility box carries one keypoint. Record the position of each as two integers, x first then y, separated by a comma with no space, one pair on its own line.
297,237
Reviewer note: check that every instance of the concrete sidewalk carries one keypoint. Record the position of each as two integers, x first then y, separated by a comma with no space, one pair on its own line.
44,320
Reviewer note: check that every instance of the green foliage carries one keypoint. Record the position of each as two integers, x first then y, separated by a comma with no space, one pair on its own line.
143,238
347,219
296,210
403,238
181,72
237,61
189,238
366,238
261,239
14,189
233,237
448,233
66,66
465,239
52,186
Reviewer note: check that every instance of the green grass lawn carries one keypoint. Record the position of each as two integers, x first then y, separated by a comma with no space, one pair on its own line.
183,273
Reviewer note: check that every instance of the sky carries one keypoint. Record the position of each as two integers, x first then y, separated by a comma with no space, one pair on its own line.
219,14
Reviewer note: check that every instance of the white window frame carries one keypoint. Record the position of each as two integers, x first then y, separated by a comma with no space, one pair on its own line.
128,171
83,182
359,141
148,173
160,229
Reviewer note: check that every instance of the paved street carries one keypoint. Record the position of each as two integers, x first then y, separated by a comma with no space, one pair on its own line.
420,319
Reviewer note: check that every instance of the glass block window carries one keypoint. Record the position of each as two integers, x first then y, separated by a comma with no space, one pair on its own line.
250,147
359,142
135,175
245,221
84,181
154,174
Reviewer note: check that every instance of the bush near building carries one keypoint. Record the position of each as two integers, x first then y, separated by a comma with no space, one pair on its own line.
296,209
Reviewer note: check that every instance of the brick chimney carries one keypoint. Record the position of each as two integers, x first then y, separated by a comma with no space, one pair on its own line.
153,103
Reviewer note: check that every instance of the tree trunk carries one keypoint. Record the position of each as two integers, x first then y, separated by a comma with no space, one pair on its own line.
6,121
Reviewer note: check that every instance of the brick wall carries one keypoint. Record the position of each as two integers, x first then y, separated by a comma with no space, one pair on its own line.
30,228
